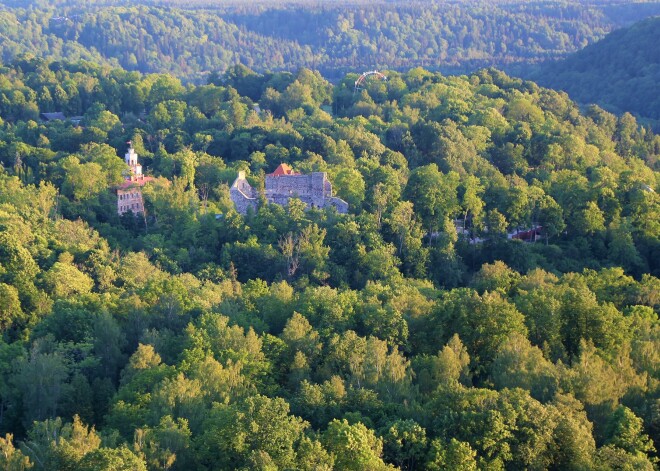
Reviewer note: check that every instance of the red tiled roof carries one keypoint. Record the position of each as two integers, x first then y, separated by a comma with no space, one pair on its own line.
283,169
131,183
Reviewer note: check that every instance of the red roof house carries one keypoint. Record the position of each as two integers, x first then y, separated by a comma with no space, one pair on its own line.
283,169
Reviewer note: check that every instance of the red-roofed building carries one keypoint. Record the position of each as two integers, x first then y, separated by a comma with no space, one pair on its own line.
129,193
283,169
283,184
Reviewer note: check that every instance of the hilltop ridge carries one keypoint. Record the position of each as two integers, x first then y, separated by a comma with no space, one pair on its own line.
619,73
194,39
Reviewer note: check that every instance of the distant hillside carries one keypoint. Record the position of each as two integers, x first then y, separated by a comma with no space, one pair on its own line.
191,39
620,73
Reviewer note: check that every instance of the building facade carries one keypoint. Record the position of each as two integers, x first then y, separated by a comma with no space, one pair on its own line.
315,190
129,193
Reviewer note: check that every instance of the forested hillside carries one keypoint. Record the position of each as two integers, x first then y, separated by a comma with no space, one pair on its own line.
193,39
412,333
621,72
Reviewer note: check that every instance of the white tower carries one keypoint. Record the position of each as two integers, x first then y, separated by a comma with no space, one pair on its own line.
131,159
129,193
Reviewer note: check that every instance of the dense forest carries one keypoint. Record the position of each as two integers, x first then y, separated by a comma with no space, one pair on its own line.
191,39
620,73
412,333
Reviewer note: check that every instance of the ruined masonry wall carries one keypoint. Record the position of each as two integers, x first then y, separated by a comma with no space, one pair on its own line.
241,201
314,190
242,194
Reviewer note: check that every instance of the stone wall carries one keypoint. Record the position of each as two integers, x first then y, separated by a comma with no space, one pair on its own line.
340,204
242,194
314,190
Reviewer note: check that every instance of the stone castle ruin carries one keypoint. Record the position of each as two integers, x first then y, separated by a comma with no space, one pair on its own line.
315,190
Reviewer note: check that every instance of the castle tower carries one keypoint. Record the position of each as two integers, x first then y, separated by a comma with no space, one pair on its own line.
129,193
131,160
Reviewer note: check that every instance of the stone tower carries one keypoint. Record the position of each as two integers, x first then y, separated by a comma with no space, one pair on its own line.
129,193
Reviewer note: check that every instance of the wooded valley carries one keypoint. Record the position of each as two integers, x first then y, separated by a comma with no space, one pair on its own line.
490,301
411,333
